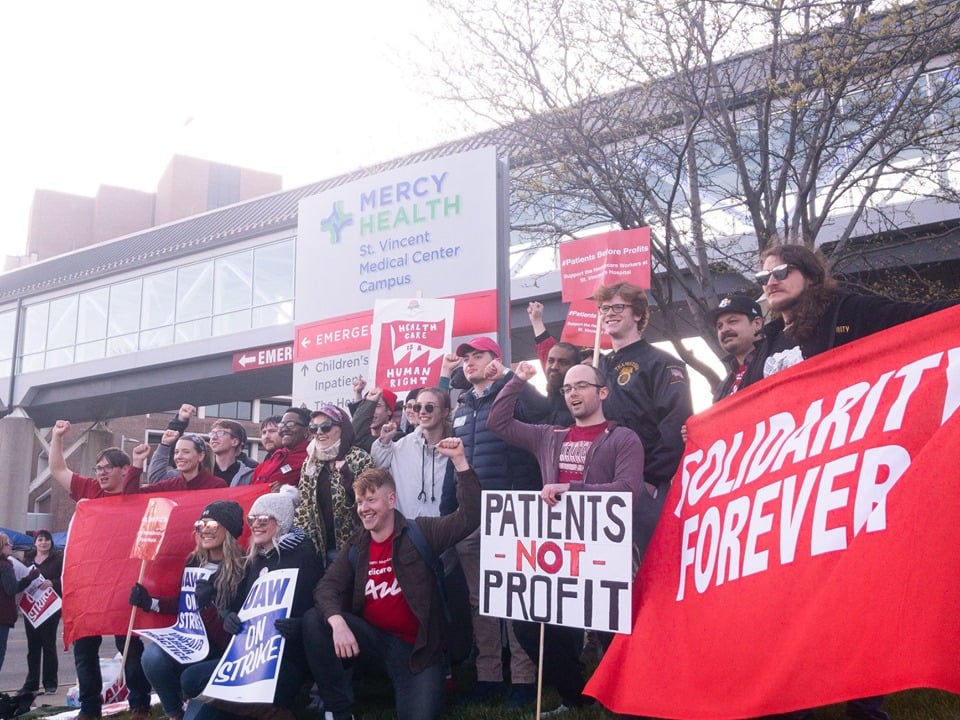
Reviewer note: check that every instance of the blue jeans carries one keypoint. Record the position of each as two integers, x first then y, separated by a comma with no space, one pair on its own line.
174,681
86,657
418,696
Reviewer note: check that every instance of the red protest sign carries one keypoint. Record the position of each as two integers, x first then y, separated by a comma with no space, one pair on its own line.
153,526
580,329
620,256
805,550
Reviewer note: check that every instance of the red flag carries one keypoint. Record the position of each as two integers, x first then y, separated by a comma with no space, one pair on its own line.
98,571
807,551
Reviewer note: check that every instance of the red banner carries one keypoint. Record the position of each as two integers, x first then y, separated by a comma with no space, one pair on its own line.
153,526
98,571
613,257
807,552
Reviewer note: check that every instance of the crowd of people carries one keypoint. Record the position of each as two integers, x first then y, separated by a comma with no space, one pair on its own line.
384,488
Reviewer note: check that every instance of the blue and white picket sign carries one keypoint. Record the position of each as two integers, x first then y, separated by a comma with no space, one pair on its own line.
186,641
247,672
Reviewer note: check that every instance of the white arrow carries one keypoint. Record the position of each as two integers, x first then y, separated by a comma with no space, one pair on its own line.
305,342
244,360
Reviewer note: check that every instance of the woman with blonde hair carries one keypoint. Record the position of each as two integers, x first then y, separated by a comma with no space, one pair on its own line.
218,550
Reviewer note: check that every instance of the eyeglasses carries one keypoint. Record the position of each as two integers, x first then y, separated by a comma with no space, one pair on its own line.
779,273
254,520
578,386
206,524
322,428
425,407
220,433
616,308
290,424
102,469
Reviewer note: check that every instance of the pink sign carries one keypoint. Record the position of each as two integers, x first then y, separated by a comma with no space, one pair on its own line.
153,526
580,329
613,257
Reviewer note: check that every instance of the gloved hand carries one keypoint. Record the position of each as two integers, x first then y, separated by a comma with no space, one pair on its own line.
203,593
289,628
140,597
232,623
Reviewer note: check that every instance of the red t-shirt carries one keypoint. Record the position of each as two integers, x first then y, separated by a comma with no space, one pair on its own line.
573,452
385,607
87,488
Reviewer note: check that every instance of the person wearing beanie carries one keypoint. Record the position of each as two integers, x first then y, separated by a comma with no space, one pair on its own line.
327,511
42,641
217,549
371,414
276,544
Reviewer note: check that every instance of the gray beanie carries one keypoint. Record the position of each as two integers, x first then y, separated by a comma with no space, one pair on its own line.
279,505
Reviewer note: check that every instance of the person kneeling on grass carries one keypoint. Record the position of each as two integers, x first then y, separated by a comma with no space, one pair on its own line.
396,612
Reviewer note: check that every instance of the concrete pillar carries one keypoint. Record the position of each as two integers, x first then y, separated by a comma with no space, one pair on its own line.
98,438
17,447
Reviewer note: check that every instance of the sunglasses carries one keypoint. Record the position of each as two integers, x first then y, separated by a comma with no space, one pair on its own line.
779,273
290,425
425,407
322,428
206,524
254,520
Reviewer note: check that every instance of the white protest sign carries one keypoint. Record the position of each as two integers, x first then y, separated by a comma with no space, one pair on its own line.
39,605
247,672
570,564
185,641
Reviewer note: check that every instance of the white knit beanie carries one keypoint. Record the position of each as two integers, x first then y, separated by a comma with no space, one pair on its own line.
279,505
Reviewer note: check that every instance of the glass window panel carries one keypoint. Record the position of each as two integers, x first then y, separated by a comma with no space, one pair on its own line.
233,279
60,357
62,327
273,273
91,351
161,337
159,300
196,330
122,344
270,315
231,322
92,315
124,315
35,328
194,292
31,363
8,324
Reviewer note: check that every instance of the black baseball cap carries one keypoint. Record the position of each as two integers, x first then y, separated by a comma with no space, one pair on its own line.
737,304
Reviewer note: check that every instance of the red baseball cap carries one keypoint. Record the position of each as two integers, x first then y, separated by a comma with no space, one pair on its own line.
482,343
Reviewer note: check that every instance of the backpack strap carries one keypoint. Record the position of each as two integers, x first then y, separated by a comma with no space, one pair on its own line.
433,562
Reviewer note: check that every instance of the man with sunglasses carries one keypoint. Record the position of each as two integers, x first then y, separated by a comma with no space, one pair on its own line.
813,315
590,454
282,466
114,476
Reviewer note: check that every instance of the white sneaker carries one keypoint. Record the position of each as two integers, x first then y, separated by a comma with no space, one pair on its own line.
559,710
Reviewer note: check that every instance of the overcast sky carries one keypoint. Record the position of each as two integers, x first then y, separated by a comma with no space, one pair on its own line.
106,92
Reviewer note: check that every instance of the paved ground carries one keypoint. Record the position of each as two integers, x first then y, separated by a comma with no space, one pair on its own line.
14,669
